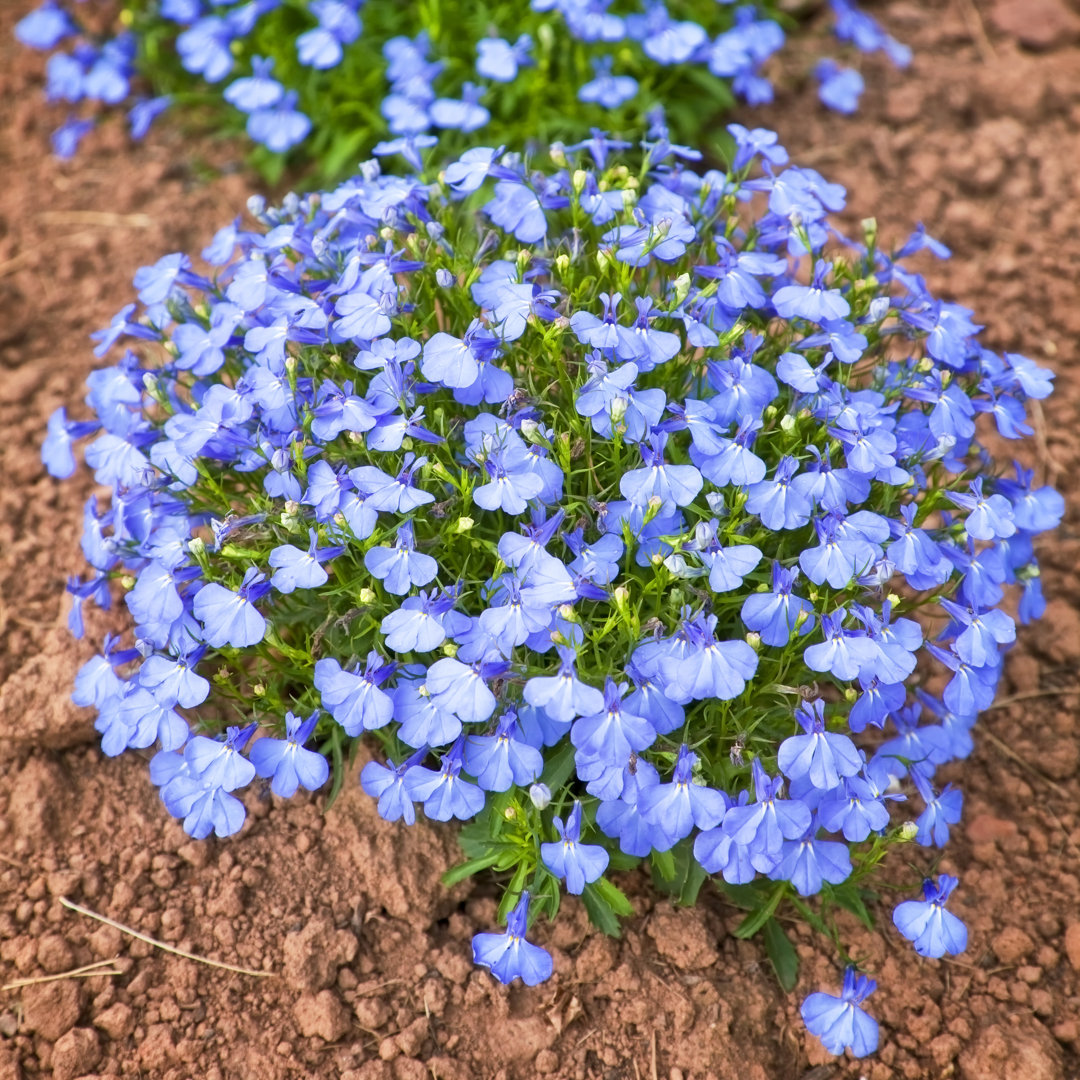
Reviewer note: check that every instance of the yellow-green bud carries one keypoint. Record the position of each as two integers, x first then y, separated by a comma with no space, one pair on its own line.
449,649
753,639
366,596
127,581
196,547
464,524
908,831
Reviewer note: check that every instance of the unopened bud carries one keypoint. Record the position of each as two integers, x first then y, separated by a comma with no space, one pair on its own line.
787,422
259,690
127,581
196,547
618,408
510,813
367,596
464,524
578,180
540,796
449,649
753,639
908,831
562,263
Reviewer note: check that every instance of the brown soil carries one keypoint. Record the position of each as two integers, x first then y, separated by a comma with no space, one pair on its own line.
370,956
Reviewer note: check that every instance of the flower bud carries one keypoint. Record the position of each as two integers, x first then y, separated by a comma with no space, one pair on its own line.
578,180
259,690
463,524
127,581
562,263
196,547
787,423
908,831
557,153
367,596
540,795
753,639
617,409
444,278
681,286
449,649
510,813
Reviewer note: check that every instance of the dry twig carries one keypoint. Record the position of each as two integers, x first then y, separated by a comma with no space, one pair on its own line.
161,944
86,972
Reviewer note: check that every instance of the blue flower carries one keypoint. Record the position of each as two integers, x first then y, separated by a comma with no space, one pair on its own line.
677,807
509,956
401,567
387,784
821,756
838,1021
296,569
231,618
839,88
353,699
502,759
580,864
563,696
927,925
286,760
444,794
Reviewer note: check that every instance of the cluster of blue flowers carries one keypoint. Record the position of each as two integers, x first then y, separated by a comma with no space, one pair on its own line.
634,510
432,85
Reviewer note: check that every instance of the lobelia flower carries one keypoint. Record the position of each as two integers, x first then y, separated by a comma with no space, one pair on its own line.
927,925
231,618
580,864
286,760
509,956
387,784
839,1022
444,794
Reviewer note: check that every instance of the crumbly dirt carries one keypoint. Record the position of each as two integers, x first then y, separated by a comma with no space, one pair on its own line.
369,955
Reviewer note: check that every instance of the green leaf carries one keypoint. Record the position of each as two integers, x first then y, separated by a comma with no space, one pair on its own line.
849,897
601,913
663,865
696,876
757,919
785,960
559,767
614,897
467,869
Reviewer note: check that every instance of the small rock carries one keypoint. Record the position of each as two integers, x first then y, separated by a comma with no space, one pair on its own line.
547,1061
54,954
412,1038
1038,24
371,1012
682,938
51,1009
314,954
1024,1050
75,1054
1072,944
410,1069
321,1014
117,1021
158,1050
1012,945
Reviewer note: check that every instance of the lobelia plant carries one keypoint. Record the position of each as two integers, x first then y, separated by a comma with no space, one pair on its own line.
634,512
339,75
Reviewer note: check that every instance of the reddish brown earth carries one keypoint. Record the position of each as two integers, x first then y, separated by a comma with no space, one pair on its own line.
370,956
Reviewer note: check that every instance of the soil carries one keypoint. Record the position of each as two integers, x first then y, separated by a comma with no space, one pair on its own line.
369,973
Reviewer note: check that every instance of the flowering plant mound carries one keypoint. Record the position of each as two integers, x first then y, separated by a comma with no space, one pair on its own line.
617,501
338,75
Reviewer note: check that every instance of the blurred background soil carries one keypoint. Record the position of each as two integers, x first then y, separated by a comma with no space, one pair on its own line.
372,976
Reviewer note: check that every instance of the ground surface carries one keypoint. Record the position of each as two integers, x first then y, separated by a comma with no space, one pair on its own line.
980,140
